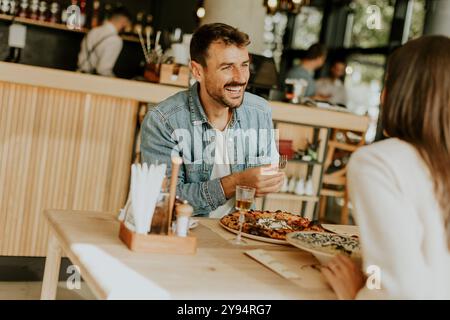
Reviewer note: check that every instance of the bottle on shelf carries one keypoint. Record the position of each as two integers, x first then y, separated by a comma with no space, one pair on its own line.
13,6
34,9
292,184
24,9
54,12
43,11
64,13
83,13
95,21
300,187
309,187
4,6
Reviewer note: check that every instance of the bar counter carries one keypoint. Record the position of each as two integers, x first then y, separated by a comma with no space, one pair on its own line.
66,142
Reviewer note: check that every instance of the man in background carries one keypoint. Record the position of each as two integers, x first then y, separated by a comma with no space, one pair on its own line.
333,87
314,59
101,47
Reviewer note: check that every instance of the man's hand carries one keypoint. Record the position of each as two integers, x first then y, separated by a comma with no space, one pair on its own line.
264,179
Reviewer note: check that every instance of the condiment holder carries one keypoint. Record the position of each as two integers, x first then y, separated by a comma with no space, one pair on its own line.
166,240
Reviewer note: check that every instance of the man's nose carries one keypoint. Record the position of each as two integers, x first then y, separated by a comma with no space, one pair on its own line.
239,76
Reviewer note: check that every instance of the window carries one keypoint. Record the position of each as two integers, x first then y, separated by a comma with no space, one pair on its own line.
370,23
417,19
364,81
307,28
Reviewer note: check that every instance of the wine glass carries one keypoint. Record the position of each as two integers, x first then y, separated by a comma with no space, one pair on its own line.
244,199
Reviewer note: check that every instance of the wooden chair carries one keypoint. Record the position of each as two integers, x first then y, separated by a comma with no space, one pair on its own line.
335,184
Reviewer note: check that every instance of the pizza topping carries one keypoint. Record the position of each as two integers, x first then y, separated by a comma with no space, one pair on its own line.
272,223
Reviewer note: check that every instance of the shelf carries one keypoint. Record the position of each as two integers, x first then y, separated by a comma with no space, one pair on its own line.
130,38
290,196
45,24
311,163
58,26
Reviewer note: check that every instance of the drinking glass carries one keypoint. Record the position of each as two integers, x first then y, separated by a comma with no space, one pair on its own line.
244,199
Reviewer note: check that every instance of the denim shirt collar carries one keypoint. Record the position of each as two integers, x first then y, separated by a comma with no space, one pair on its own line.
198,115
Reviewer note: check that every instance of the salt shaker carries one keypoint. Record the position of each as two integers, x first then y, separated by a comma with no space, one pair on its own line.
184,212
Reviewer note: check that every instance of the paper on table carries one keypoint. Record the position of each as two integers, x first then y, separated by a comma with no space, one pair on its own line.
297,266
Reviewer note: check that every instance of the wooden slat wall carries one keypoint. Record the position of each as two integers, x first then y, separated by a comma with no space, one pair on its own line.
60,150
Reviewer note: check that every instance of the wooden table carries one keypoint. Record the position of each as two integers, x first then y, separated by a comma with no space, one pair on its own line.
218,270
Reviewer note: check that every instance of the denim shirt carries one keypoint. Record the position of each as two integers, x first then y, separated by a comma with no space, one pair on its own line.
178,126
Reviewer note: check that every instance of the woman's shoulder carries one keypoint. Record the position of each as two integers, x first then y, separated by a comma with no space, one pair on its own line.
391,155
390,150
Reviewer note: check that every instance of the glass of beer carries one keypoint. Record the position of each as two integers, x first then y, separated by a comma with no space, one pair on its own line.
244,200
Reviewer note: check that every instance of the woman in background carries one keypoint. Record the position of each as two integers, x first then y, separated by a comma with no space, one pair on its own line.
400,187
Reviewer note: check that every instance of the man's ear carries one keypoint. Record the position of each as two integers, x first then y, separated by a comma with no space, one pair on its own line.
197,70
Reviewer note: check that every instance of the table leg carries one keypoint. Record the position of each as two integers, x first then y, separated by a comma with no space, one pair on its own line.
51,272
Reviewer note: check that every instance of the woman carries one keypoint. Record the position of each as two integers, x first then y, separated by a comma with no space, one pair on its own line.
400,187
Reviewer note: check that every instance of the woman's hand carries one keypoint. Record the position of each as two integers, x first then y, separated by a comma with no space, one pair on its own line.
344,276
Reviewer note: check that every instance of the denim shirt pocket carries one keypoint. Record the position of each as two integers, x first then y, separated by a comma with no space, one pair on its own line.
197,172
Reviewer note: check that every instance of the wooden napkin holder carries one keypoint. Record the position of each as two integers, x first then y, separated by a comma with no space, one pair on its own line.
157,243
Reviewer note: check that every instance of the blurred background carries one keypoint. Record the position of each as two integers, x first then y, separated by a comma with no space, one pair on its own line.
360,32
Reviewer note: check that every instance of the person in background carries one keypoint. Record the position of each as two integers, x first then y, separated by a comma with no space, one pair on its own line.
400,187
223,133
332,87
313,59
101,47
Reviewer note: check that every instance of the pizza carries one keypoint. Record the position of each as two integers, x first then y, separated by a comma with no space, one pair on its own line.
273,225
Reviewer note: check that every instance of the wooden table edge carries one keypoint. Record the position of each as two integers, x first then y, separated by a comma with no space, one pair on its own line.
55,248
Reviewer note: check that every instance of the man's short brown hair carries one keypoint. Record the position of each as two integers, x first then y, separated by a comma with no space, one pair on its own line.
209,33
315,51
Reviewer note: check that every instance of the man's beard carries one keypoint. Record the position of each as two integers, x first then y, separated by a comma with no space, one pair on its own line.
220,98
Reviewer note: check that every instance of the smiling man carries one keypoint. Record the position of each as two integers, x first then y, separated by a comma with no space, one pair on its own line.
224,134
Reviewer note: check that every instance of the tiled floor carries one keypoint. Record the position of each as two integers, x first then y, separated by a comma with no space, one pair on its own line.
32,291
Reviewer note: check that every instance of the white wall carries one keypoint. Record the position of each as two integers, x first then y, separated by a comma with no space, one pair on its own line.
438,18
246,15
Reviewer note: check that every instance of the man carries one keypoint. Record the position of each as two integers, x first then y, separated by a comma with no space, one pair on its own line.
101,47
333,87
314,59
223,133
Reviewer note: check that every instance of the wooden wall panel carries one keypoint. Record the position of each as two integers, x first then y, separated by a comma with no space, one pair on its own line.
59,150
